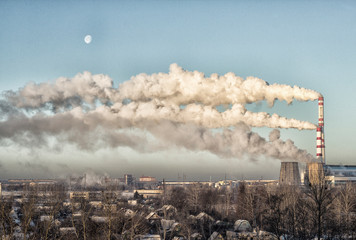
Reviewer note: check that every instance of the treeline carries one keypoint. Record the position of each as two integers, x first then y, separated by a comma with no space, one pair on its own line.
294,212
53,215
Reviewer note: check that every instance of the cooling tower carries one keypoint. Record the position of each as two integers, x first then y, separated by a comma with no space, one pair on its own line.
315,172
289,173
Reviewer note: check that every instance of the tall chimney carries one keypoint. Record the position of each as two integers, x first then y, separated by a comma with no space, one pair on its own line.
319,154
321,111
320,146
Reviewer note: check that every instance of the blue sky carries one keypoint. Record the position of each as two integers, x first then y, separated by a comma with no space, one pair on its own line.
306,43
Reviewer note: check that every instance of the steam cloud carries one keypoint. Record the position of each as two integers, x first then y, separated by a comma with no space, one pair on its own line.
177,109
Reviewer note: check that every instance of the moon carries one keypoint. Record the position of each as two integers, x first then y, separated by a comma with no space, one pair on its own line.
87,39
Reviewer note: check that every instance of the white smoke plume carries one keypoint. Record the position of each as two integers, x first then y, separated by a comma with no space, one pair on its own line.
161,95
89,112
206,116
184,87
83,88
228,143
88,179
91,131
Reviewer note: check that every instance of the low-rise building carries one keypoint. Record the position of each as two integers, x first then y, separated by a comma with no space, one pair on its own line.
149,193
79,195
147,179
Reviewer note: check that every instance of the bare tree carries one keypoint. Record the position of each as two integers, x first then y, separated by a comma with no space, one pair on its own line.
53,203
6,220
344,208
137,224
275,212
82,221
303,219
251,203
110,212
27,209
291,194
321,197
227,201
243,209
193,196
208,198
178,198
187,225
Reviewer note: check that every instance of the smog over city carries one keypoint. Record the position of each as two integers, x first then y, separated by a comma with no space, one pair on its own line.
193,119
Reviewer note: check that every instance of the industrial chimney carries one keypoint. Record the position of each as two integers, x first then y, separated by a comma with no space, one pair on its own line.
319,154
289,174
320,140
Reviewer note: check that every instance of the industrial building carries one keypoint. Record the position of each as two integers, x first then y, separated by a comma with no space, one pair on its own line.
340,174
317,170
147,179
336,174
289,174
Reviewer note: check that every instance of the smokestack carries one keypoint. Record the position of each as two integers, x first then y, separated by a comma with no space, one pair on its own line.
321,111
318,143
320,146
289,174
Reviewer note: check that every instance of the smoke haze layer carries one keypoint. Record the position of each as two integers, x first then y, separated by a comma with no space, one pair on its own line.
177,109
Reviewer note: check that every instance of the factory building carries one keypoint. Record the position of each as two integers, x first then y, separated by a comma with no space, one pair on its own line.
340,174
342,170
315,171
147,182
318,170
147,179
128,179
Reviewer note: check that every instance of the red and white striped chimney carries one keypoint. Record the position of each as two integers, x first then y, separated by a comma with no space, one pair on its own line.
321,111
320,141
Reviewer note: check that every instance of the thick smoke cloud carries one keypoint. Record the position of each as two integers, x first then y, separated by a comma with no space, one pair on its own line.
83,88
177,109
184,87
228,143
206,116
161,96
